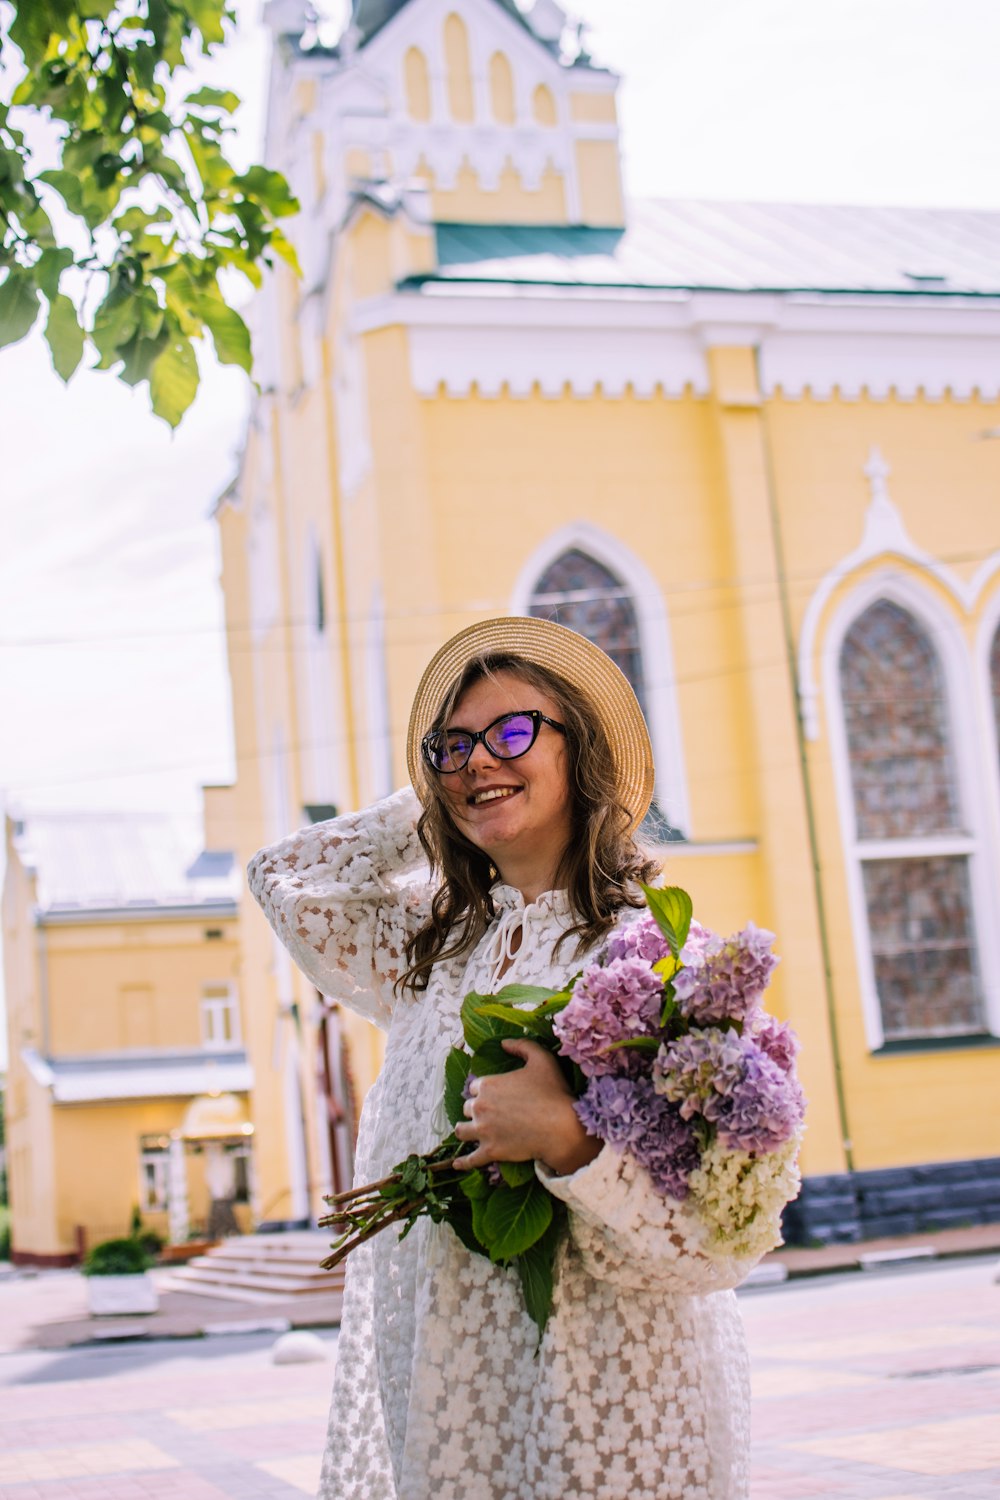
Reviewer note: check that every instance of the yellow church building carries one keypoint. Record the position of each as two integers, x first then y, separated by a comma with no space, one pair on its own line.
738,445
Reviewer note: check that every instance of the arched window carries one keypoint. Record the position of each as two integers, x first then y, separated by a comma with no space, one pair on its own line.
577,591
995,680
913,850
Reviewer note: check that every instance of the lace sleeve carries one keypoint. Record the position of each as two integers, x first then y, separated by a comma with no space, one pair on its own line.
629,1234
338,898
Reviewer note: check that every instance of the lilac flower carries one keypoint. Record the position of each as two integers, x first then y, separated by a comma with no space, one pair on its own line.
766,1107
630,1116
620,1000
776,1039
723,979
639,939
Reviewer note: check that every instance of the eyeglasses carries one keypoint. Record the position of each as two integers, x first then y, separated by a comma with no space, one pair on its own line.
512,735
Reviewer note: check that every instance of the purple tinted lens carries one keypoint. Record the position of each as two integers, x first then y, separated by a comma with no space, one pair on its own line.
512,736
448,751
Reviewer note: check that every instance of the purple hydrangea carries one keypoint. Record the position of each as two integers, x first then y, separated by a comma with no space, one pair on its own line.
766,1107
776,1039
754,1103
639,939
698,1070
630,1116
723,978
610,1003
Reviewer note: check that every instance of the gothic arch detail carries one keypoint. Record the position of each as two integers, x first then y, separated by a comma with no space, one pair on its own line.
590,581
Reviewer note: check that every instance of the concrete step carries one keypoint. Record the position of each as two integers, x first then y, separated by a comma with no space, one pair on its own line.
262,1268
223,1293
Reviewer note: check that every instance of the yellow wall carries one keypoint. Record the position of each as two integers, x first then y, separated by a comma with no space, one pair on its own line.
134,985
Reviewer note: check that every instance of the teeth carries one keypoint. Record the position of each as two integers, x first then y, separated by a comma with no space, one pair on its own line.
493,794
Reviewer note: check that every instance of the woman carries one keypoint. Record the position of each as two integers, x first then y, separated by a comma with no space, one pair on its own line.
531,760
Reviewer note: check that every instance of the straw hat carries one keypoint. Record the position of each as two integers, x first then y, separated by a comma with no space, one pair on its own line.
570,656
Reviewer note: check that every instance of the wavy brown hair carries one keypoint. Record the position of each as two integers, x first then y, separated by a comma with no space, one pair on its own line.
600,866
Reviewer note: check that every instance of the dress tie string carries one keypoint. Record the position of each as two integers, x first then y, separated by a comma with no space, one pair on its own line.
503,951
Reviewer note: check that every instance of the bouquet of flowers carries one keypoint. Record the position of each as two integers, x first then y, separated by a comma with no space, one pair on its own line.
669,1056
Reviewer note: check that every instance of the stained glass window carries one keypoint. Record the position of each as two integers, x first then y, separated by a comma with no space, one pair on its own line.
920,918
903,776
897,727
577,591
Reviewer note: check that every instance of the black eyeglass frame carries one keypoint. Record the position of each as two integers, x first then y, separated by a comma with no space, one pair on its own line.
478,737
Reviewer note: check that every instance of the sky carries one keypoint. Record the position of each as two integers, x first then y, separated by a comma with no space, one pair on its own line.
112,662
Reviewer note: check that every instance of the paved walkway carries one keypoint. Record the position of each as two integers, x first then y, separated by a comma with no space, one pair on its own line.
872,1386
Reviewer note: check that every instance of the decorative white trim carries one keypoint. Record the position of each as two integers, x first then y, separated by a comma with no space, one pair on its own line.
654,644
709,849
885,534
500,335
974,844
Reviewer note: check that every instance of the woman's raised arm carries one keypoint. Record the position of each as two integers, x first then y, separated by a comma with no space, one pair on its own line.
343,897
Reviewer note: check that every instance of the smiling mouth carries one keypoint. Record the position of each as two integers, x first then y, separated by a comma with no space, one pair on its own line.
492,794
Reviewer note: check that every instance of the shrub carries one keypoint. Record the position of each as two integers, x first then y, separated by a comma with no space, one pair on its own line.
117,1258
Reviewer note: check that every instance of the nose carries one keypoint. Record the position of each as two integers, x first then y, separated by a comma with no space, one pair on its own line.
482,757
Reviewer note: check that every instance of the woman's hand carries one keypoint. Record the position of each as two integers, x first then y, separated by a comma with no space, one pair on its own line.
525,1115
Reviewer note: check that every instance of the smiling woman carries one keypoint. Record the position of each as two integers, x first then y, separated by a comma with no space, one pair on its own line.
531,766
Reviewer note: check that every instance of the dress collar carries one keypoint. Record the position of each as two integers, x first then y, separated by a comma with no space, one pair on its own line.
508,898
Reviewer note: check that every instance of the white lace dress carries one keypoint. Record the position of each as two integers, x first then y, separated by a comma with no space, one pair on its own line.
641,1386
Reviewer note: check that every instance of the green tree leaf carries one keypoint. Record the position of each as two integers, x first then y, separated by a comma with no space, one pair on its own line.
672,910
230,334
206,98
173,381
515,1219
19,306
64,336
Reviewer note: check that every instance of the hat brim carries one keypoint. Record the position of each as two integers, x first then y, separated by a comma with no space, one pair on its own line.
571,656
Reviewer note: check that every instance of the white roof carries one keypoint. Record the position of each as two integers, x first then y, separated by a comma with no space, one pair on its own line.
123,861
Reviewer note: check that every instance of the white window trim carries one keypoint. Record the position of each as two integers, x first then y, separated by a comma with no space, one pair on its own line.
989,737
966,743
655,646
211,1002
158,1158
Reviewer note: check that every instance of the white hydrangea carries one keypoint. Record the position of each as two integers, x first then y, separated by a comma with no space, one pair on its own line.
739,1197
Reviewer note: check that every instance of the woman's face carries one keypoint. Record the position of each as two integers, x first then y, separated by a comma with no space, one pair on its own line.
519,812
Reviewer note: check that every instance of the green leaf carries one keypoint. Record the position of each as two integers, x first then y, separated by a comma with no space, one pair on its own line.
490,1057
49,268
69,187
672,910
517,1173
116,322
207,98
208,16
475,1186
18,306
456,1071
33,24
230,334
535,993
269,189
515,1219
173,380
64,336
524,1020
283,246
479,1028
535,1268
